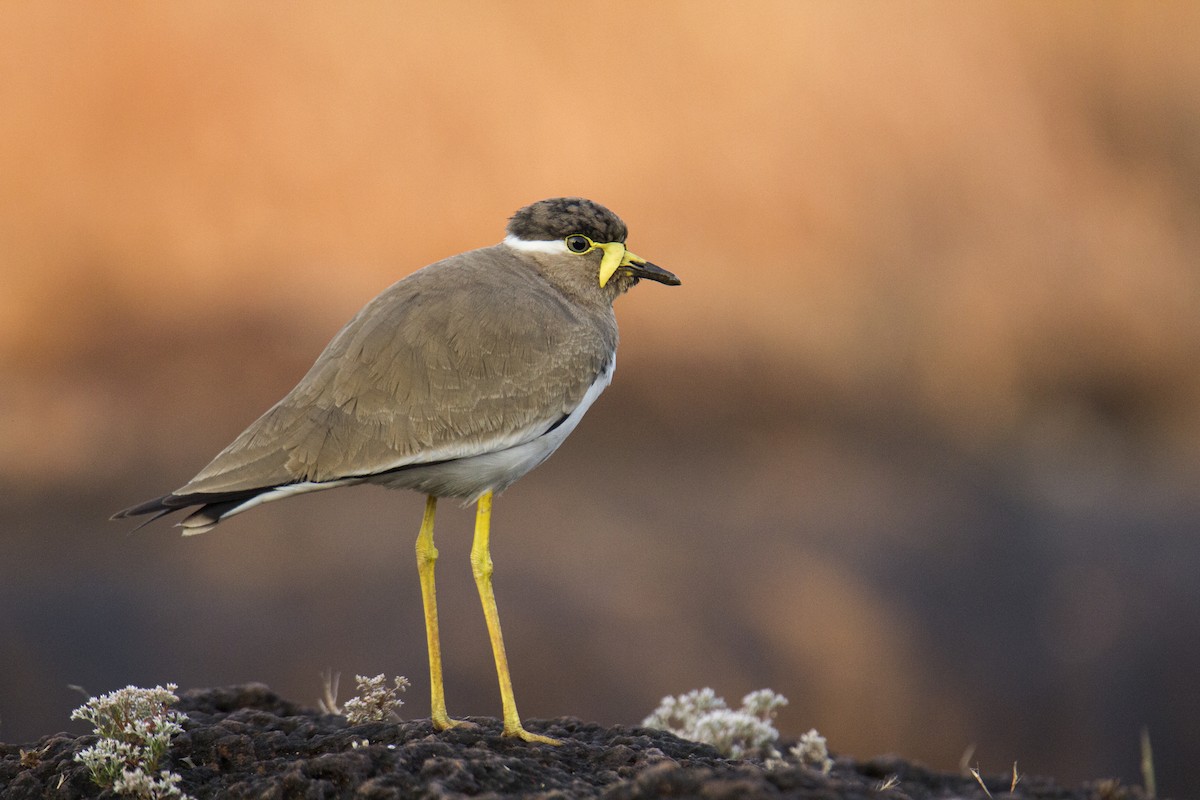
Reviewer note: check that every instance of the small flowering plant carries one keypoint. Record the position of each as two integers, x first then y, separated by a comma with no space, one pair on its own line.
812,751
376,701
747,732
701,716
135,729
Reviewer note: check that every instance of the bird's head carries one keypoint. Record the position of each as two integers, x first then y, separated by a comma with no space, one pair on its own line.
576,232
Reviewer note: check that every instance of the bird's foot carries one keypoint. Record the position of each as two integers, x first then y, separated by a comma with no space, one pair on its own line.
444,723
519,732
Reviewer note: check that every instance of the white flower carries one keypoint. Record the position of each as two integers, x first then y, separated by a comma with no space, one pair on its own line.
701,716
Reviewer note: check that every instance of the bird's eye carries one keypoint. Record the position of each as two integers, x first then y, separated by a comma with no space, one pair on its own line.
579,244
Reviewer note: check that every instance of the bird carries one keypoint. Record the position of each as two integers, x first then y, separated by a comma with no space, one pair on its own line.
454,382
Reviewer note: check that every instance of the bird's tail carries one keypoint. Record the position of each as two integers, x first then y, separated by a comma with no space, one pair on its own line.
213,508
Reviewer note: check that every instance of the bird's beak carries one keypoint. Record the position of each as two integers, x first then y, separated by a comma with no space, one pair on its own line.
617,257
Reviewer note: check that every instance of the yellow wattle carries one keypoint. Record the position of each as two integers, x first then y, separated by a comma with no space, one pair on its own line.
614,256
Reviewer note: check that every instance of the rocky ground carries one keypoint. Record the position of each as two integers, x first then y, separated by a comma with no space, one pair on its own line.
247,742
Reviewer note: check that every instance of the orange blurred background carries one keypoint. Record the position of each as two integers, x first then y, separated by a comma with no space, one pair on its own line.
915,444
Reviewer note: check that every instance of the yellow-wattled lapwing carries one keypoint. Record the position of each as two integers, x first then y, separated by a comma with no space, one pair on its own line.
454,382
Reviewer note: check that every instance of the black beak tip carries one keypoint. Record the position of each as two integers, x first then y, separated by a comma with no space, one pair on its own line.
654,272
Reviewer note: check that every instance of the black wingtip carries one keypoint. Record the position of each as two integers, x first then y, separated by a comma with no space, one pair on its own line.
158,506
218,504
146,522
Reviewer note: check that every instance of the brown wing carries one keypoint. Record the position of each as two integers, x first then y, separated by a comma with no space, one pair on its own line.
469,355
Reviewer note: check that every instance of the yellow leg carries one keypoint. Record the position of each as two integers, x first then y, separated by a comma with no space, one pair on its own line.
426,558
481,566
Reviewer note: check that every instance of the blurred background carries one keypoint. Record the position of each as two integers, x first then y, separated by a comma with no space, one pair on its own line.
916,443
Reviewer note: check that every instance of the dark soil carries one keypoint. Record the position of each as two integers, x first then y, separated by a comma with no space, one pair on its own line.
245,741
